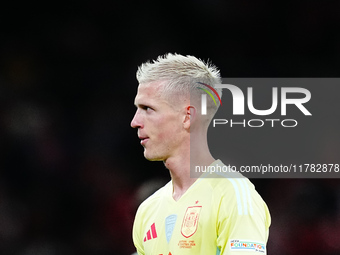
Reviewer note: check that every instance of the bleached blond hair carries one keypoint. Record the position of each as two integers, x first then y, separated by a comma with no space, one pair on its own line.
181,75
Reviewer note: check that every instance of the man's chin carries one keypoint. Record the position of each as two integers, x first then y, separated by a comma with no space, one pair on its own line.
151,157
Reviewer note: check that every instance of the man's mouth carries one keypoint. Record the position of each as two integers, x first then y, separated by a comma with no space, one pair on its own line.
143,140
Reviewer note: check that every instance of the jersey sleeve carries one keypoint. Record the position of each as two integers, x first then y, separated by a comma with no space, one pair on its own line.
137,233
243,221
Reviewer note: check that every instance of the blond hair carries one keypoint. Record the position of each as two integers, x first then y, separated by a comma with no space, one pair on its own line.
182,75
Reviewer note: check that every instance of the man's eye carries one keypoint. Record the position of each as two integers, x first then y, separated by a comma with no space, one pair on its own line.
147,108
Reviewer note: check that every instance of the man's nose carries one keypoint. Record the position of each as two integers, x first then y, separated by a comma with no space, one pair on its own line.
136,121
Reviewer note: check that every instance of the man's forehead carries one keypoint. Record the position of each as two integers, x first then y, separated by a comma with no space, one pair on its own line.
154,91
148,91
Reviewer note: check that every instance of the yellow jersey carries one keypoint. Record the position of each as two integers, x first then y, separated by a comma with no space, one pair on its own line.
215,216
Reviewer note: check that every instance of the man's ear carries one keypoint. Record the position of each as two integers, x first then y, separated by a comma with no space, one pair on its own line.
190,115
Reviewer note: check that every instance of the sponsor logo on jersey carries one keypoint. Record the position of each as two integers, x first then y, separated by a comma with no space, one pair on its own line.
190,221
151,234
247,245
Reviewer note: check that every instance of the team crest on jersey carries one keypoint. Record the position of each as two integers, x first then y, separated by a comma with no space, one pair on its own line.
190,221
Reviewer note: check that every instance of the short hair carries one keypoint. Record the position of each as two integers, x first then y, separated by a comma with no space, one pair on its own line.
182,75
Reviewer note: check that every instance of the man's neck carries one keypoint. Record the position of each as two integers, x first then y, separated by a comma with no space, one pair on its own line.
180,172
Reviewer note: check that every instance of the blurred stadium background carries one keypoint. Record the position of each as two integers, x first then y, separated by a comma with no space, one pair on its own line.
71,169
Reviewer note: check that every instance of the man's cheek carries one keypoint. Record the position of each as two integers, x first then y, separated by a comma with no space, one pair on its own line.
162,136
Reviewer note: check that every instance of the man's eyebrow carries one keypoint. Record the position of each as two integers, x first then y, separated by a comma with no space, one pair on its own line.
142,105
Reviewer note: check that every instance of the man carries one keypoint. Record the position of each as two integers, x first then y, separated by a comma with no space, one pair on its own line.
201,216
